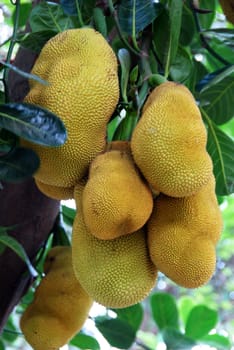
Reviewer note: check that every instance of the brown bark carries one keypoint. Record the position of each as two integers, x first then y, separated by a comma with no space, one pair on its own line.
26,207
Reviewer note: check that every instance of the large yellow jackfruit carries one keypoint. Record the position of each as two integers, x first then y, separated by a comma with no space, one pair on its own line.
60,306
83,90
115,273
169,142
182,234
228,9
116,201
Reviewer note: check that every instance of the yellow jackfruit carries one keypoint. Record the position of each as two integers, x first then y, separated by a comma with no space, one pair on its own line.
115,273
182,234
116,201
55,192
60,306
169,142
228,9
83,90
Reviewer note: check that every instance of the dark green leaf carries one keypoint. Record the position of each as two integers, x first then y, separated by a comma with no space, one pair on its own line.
184,60
36,40
198,72
135,15
166,34
221,149
100,21
164,310
216,98
18,165
176,340
206,19
2,97
68,214
112,126
8,141
2,346
69,7
49,16
133,315
201,320
2,248
10,333
126,126
84,341
125,64
33,123
188,27
117,332
218,341
11,243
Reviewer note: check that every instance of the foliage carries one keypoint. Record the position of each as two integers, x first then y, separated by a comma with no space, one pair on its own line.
153,41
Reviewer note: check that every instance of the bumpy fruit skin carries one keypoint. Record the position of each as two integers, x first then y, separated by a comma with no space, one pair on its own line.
115,273
116,201
228,9
55,192
60,306
182,234
83,90
169,142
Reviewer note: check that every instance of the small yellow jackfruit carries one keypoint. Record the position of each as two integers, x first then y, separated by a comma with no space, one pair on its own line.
228,9
182,234
55,192
83,90
169,142
115,273
116,201
60,306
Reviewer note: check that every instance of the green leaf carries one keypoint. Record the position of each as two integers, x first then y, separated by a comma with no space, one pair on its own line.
18,165
164,310
33,123
11,243
36,40
112,126
217,98
201,320
2,346
166,34
126,126
133,315
100,21
216,340
68,214
135,15
206,19
175,340
188,26
84,341
49,16
184,60
24,12
60,236
117,332
125,64
221,149
7,141
185,306
224,35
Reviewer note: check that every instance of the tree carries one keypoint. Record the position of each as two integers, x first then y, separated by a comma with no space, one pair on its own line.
181,41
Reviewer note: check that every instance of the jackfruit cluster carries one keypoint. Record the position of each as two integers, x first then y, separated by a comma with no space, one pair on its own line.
60,306
143,206
83,90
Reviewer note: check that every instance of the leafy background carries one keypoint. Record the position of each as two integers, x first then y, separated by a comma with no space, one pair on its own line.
172,317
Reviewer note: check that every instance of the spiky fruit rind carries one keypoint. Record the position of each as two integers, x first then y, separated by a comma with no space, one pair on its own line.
182,235
169,142
83,90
